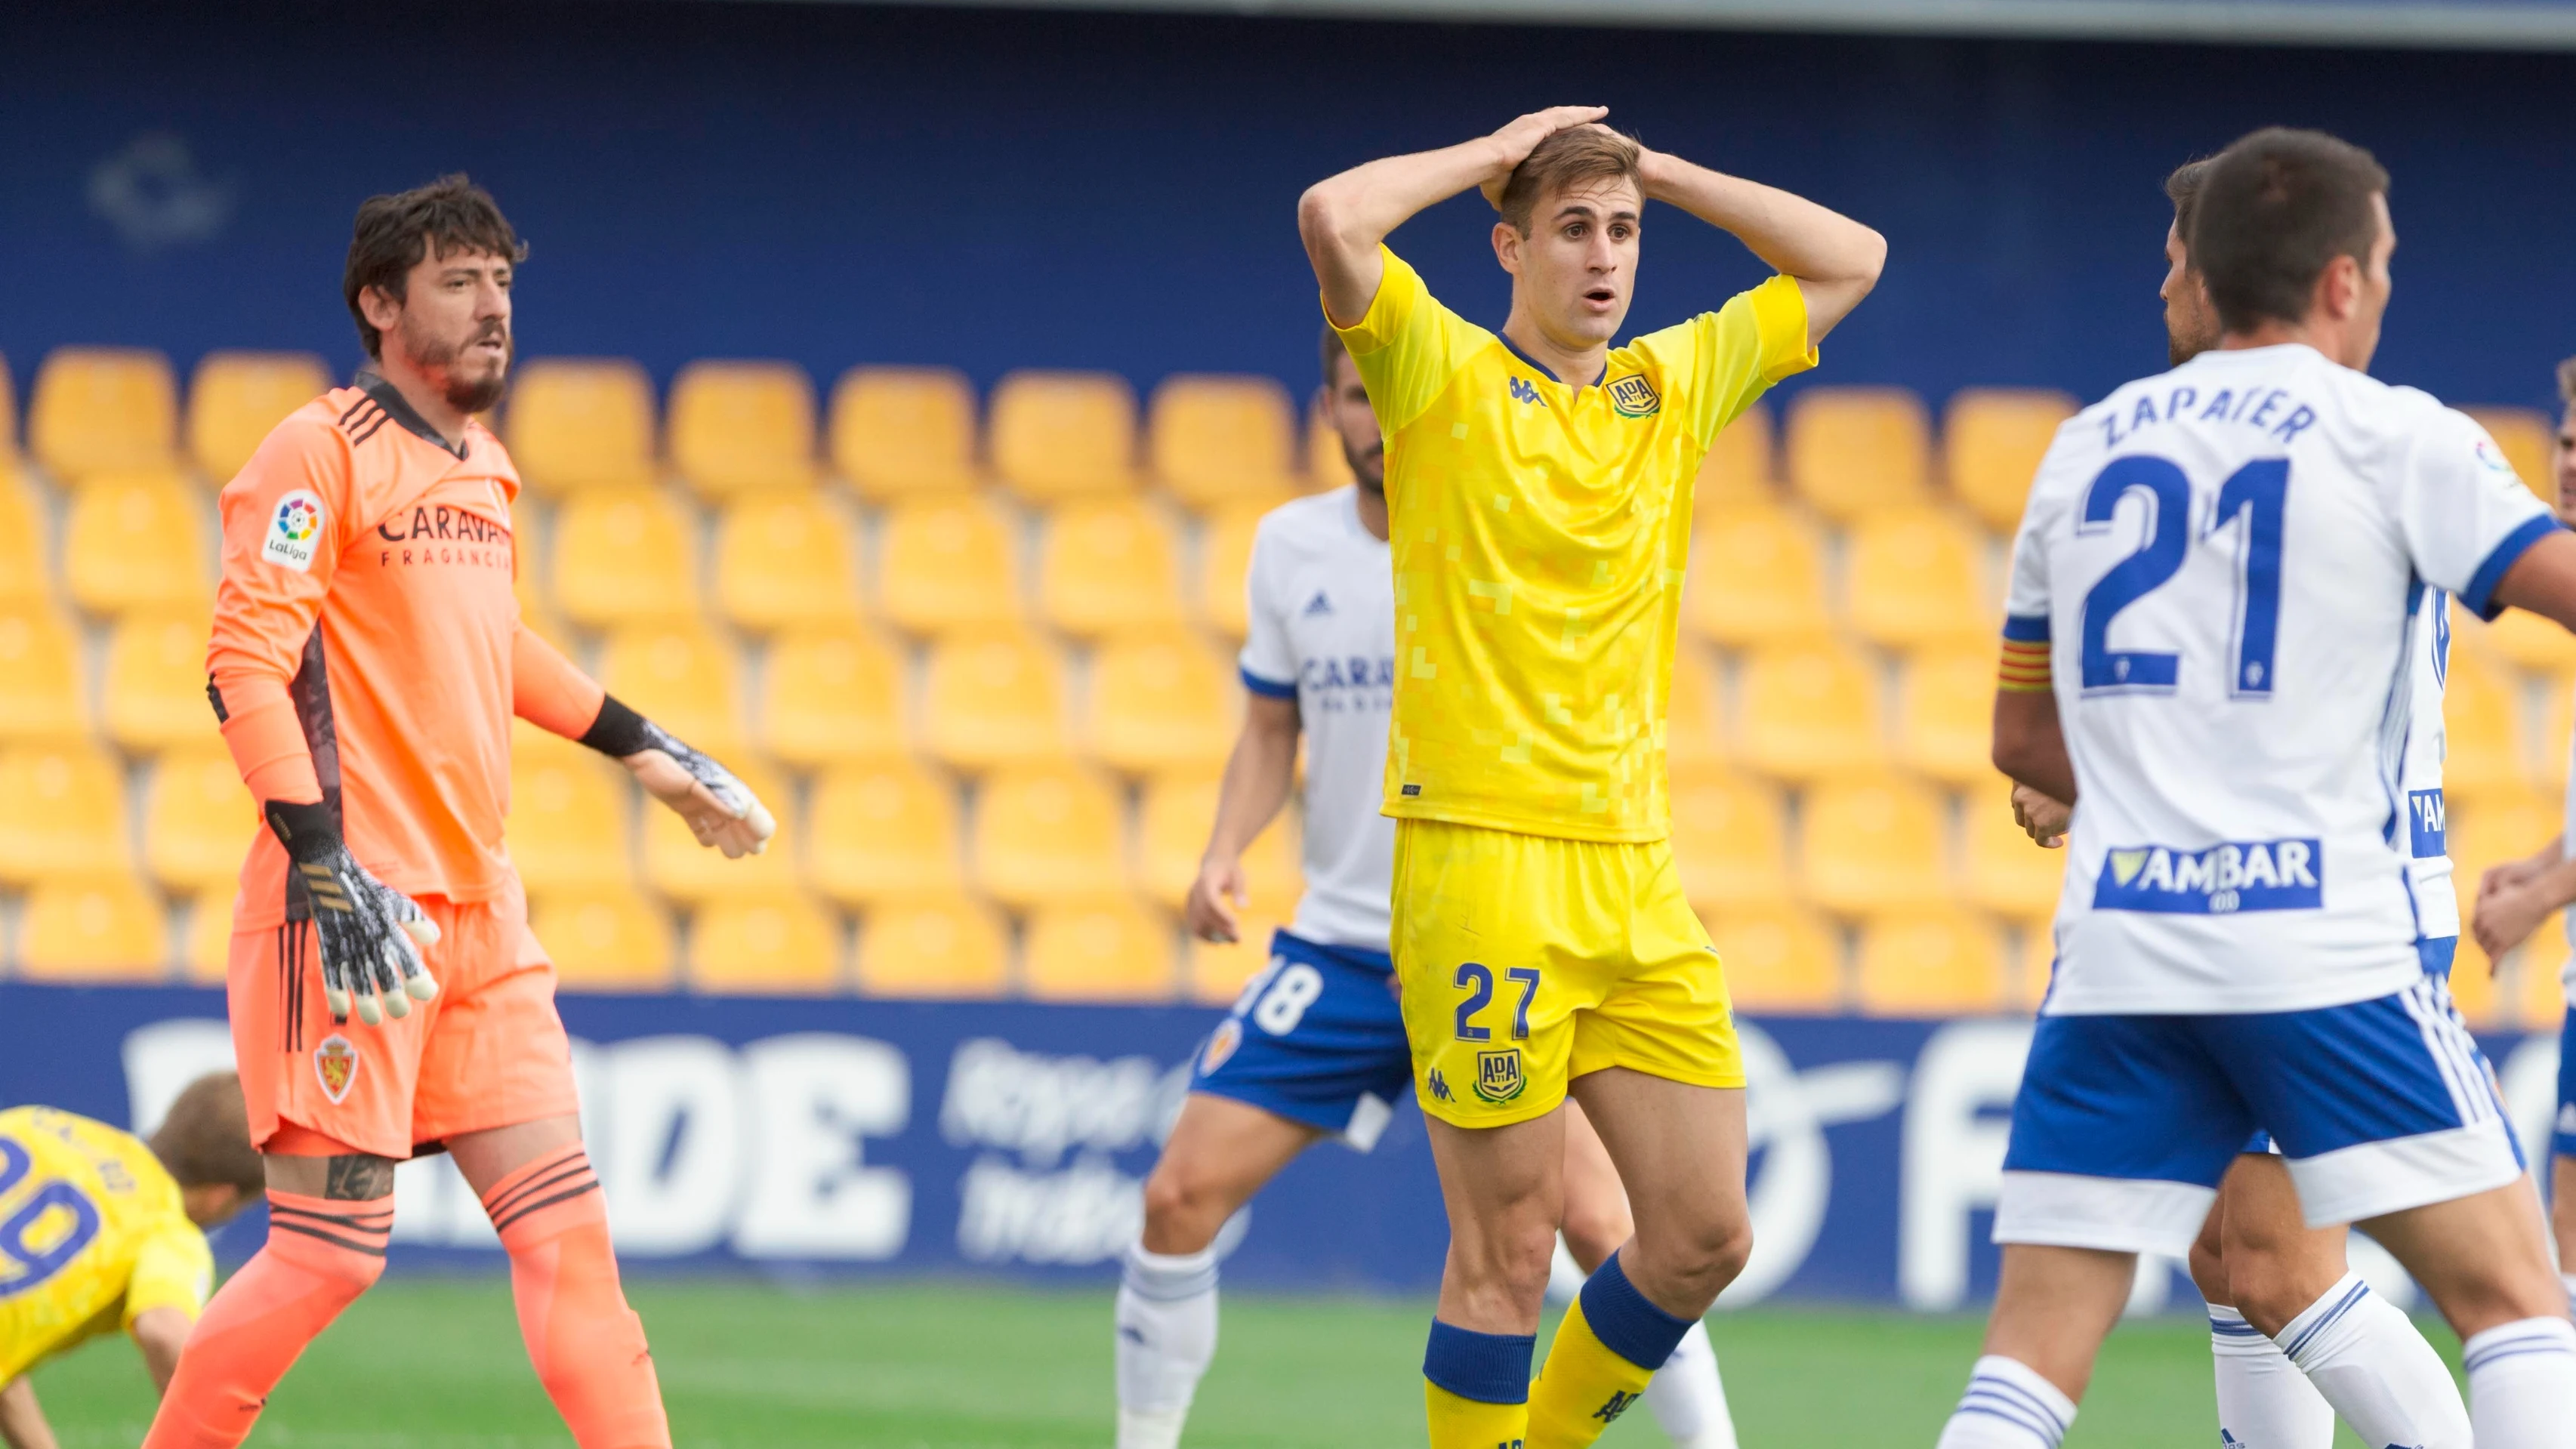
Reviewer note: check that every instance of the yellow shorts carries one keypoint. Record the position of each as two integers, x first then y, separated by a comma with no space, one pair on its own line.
1528,960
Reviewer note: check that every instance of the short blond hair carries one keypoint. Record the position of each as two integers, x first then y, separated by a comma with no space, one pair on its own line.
1573,155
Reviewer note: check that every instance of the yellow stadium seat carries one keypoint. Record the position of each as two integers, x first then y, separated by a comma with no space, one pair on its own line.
1778,957
1736,472
1917,577
993,697
1214,439
104,410
783,560
155,685
2002,868
2484,832
678,867
607,938
625,555
578,423
237,397
40,657
1694,732
1930,963
1858,451
1048,835
62,812
25,574
1104,950
1064,434
198,819
738,426
2524,437
884,831
93,928
948,563
2517,637
1730,842
1871,846
136,541
1809,712
1225,561
205,951
2557,739
1160,700
1945,715
2034,965
2539,996
1172,834
2482,729
1107,565
1327,466
1219,970
831,694
900,430
682,677
571,817
934,946
2475,987
1757,576
1991,442
784,945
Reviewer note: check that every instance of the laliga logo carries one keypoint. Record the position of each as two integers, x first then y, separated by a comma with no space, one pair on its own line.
297,520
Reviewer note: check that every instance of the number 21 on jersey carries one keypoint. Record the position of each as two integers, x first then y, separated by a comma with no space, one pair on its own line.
2257,493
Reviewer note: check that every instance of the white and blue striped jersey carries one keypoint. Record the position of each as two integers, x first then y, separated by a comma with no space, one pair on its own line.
2426,827
2229,562
1322,632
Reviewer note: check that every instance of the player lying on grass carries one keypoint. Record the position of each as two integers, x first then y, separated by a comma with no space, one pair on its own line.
2295,1336
106,1232
367,659
2514,898
1315,1046
1538,488
2225,567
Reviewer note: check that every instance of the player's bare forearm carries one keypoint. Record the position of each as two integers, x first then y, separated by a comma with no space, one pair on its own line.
1835,259
2030,745
2543,580
22,1420
159,1333
1258,775
1343,218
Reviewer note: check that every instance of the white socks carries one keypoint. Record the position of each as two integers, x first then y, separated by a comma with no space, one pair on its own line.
1166,1337
2008,1406
2522,1381
1688,1400
2368,1361
2264,1402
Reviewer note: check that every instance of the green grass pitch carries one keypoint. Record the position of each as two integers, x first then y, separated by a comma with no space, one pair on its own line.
436,1364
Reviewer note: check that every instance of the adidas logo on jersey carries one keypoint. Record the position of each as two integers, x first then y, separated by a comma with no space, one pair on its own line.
2255,875
1318,606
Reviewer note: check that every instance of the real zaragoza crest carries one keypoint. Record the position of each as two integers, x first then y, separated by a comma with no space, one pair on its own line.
335,1065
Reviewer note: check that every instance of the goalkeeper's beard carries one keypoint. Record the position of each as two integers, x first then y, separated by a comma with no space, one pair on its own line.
438,359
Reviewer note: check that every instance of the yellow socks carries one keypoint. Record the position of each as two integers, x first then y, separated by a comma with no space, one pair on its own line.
1610,1344
1476,1387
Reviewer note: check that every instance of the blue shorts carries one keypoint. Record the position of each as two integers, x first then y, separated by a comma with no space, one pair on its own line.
2125,1124
2562,1140
1315,1038
2436,953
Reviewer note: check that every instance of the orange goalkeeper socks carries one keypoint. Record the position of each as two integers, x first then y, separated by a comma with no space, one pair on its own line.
587,1345
321,1254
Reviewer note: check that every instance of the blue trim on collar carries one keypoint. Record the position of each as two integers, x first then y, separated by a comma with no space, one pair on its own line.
1550,373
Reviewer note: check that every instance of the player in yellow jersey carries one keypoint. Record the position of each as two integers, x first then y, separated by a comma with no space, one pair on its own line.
100,1232
1538,484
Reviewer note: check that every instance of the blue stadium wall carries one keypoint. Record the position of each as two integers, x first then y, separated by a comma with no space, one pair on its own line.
840,184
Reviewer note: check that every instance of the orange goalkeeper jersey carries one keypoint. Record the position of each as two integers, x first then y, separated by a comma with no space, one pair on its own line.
367,647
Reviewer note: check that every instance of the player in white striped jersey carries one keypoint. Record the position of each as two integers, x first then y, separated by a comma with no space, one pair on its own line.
2214,585
1315,1045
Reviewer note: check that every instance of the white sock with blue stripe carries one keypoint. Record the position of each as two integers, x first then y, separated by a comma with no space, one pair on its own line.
2264,1402
1689,1399
1166,1339
2377,1371
2522,1384
2008,1406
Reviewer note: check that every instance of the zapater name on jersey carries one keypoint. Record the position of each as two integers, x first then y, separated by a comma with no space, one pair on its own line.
1539,532
2236,572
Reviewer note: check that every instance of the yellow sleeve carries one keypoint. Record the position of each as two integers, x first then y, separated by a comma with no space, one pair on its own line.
1408,346
173,1268
1720,361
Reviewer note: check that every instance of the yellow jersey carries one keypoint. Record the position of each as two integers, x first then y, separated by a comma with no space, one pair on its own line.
91,1236
1539,534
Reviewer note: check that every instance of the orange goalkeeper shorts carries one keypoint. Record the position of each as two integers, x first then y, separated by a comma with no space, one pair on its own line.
489,1051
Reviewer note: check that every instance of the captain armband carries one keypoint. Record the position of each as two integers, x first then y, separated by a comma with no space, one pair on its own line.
2024,669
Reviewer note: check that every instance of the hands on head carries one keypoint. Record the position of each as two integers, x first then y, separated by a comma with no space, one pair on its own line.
1517,140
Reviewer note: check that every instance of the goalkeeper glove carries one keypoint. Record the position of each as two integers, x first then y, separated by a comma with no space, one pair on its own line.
369,934
731,795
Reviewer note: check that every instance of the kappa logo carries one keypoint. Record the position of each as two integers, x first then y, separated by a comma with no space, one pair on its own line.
1221,1045
1634,397
294,531
1318,606
2250,875
1525,391
1440,1087
335,1066
1498,1075
1620,1402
